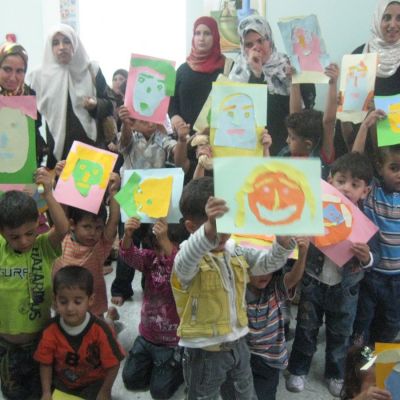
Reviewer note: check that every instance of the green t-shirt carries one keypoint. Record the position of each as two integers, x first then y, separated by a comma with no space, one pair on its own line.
25,286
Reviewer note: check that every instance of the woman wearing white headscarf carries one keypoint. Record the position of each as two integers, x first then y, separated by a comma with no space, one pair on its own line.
260,62
71,92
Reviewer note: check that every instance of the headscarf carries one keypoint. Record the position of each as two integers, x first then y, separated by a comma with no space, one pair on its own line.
388,54
274,69
13,49
214,59
53,81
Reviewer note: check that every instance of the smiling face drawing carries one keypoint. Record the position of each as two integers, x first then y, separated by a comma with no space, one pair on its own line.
148,91
236,123
86,174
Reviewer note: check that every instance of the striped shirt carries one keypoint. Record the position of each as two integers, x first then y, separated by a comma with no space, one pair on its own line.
266,337
383,208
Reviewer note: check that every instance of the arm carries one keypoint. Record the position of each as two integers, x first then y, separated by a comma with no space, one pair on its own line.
46,374
61,224
369,121
105,390
373,393
266,140
293,277
329,119
160,230
295,102
180,149
110,230
126,127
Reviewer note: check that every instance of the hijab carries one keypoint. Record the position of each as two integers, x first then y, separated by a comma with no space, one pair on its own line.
388,53
54,81
13,49
274,69
214,59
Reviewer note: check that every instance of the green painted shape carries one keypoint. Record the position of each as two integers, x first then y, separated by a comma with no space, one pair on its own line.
125,197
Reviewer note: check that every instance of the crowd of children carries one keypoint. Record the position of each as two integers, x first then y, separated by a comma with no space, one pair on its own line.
212,312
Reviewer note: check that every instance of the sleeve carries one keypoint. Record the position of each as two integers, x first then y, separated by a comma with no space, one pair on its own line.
105,99
136,258
375,251
111,351
174,103
46,348
266,261
187,260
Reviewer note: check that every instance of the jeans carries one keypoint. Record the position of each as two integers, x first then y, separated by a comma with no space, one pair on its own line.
339,306
378,314
266,378
209,373
152,366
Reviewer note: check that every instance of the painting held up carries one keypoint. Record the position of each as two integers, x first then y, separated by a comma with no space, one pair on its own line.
148,194
388,129
151,82
85,177
305,48
278,196
357,83
17,139
344,224
238,116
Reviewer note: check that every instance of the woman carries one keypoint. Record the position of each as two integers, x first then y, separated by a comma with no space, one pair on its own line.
259,62
13,66
72,94
119,79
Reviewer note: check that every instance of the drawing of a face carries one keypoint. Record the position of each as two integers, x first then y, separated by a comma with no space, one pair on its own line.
337,221
237,124
14,140
148,91
86,174
356,87
394,117
302,37
275,199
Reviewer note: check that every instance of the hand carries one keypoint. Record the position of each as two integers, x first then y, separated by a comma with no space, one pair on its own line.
125,117
266,139
104,395
183,130
176,121
130,226
361,251
160,229
203,150
113,147
117,300
374,393
44,178
215,208
90,103
114,184
255,62
302,243
332,71
59,167
285,241
373,117
290,71
46,396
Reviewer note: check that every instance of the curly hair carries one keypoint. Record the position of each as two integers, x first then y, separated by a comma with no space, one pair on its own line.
307,124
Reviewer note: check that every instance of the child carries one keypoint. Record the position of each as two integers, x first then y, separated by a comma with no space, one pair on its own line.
154,360
25,284
332,291
143,145
266,339
208,282
89,243
359,384
378,314
77,352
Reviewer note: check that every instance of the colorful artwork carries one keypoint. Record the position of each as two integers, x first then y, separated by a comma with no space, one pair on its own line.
344,224
387,368
151,82
305,48
357,83
238,116
149,194
269,195
388,129
69,13
228,14
17,139
85,177
58,395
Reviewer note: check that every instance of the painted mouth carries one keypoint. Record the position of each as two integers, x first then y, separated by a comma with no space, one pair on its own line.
276,215
236,131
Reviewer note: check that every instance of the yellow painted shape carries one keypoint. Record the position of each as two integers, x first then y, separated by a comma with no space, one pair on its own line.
383,370
394,117
58,395
154,196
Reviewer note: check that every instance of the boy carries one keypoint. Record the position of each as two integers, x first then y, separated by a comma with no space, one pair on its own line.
266,338
330,290
209,285
25,284
77,352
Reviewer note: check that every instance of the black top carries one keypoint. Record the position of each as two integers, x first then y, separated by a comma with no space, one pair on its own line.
384,86
191,91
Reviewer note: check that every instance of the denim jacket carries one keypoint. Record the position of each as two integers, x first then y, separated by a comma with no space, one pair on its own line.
352,271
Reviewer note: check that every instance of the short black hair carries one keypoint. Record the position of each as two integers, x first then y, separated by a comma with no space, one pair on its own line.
17,208
194,198
386,151
73,276
307,124
77,214
356,163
